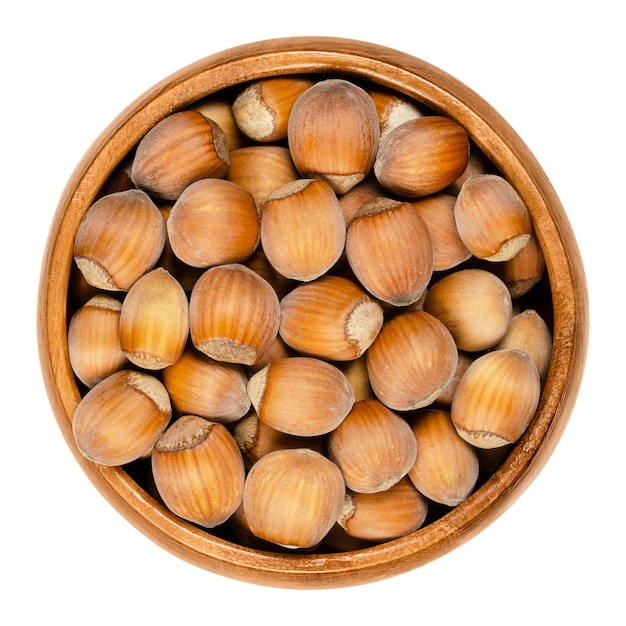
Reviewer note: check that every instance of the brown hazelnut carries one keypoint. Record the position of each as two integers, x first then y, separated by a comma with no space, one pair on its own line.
333,133
293,497
198,471
234,314
373,447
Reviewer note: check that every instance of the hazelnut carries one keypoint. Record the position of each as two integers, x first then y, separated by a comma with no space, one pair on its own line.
477,163
393,109
255,439
373,447
437,211
301,396
333,133
351,201
293,497
491,218
120,238
530,333
303,231
94,340
262,109
331,318
446,467
384,515
412,361
422,156
213,222
522,272
179,150
496,399
474,305
390,251
221,112
233,314
198,471
154,321
119,419
198,385
261,170
356,373
444,399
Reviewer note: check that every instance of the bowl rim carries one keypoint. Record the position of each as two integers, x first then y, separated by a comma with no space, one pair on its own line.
501,144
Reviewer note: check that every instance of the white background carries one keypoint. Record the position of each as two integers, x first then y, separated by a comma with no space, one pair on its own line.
555,71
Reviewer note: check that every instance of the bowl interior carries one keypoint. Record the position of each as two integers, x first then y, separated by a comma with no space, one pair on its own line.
564,302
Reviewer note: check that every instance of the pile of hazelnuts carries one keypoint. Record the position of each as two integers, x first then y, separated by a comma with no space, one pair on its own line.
309,313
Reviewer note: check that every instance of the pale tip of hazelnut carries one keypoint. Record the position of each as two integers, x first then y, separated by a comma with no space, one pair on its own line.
342,183
146,360
104,301
509,248
95,274
246,432
363,325
220,141
347,510
482,439
186,432
257,386
290,188
228,351
152,388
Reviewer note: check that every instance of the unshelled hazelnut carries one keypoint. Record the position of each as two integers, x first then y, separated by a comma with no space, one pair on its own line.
491,218
120,238
394,109
444,399
154,321
301,396
256,439
389,249
94,339
262,109
522,272
333,133
437,210
351,201
530,333
261,170
446,467
331,317
422,156
384,515
234,314
199,385
496,399
474,305
119,419
213,222
180,149
198,471
293,497
373,447
303,231
411,361
220,110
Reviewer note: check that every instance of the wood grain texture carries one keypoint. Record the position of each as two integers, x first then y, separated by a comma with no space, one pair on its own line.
493,135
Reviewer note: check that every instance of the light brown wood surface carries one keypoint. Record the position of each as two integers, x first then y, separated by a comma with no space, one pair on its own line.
491,133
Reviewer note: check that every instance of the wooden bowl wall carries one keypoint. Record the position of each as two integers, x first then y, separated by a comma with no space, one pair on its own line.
491,133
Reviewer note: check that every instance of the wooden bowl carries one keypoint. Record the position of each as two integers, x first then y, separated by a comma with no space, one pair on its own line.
566,299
